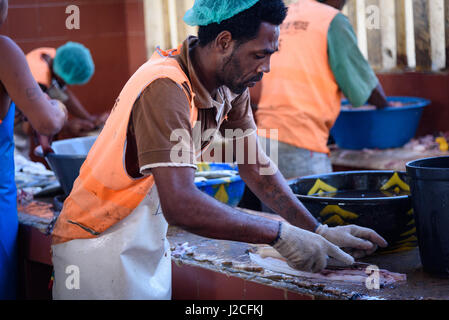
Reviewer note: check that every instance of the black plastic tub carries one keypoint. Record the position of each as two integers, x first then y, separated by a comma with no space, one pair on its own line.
429,183
379,200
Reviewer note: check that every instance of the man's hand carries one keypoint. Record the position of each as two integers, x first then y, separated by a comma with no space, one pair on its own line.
358,240
378,98
62,107
99,120
79,127
307,251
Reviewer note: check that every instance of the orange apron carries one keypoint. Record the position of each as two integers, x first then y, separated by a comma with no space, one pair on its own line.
300,96
110,238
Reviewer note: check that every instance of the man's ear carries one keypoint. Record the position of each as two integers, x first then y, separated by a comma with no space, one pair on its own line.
224,42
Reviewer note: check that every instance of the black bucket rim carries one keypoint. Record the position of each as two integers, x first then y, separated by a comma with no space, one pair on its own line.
427,173
364,201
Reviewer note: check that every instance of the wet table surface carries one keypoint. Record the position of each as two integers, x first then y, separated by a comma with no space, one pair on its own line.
232,258
374,159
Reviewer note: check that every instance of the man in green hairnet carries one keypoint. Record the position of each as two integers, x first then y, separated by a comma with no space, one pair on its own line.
140,174
55,70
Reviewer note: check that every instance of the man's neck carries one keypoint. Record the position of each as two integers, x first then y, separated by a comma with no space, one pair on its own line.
204,68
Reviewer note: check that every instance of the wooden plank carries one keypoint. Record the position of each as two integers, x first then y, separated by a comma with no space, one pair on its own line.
189,29
154,25
401,34
388,34
166,23
184,30
173,23
410,33
350,10
361,27
373,33
437,36
422,35
181,25
446,27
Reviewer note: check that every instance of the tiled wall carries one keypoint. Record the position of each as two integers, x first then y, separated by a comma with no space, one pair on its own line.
112,29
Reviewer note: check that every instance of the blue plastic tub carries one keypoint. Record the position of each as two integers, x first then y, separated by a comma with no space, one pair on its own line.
227,190
391,127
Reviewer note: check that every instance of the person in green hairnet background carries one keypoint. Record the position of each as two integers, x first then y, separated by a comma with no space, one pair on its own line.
55,70
139,177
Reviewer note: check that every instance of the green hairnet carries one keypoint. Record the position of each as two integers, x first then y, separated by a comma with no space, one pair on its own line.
73,63
205,12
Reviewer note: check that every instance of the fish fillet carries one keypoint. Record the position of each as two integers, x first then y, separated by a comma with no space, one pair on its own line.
270,259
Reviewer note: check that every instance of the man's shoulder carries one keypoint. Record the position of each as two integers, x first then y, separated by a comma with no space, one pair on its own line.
340,22
162,86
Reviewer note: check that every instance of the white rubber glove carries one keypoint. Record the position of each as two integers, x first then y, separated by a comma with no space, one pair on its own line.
307,251
358,240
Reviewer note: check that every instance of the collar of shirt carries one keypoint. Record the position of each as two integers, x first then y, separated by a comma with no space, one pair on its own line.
202,98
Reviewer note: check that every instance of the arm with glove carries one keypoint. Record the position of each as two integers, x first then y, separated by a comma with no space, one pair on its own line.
307,251
312,251
303,241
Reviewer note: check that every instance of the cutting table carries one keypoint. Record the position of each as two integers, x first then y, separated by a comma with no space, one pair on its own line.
218,269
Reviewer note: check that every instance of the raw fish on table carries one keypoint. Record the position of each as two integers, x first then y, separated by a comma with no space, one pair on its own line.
270,259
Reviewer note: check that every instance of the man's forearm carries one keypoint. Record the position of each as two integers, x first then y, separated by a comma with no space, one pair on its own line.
378,97
273,191
75,107
203,215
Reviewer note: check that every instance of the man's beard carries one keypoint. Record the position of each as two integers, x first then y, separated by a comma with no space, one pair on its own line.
234,66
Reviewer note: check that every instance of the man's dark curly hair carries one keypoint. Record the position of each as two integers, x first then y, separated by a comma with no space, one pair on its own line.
245,25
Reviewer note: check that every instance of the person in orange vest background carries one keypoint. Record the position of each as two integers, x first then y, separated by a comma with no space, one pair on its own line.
110,239
55,70
17,89
318,60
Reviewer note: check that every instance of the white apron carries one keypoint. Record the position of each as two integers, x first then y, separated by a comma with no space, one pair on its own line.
130,260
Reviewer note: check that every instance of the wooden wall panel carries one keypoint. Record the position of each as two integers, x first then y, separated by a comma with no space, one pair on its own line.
388,34
373,33
401,34
446,27
437,30
391,34
422,35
